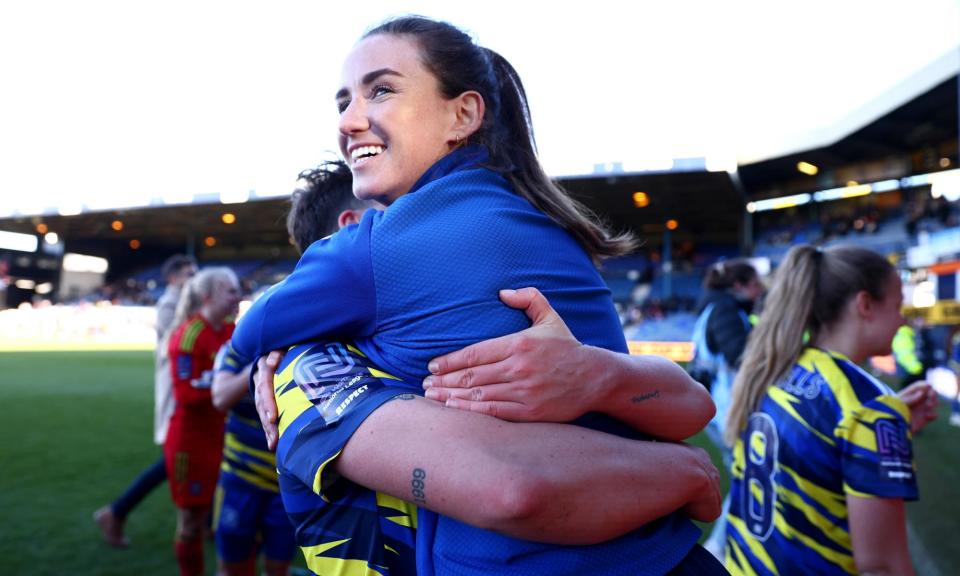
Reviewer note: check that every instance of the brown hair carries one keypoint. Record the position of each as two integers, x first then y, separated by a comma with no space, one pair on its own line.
724,274
460,65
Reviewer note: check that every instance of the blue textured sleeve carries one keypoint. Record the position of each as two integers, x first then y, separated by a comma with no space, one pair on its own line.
228,360
329,294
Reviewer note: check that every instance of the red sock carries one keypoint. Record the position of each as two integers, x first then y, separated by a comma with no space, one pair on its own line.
189,556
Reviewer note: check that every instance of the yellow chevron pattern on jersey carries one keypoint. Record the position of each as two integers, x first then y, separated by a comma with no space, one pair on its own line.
327,566
826,431
835,503
259,468
755,548
291,403
786,401
408,511
190,333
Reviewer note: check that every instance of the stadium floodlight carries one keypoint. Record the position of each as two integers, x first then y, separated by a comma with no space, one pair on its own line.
25,284
807,168
18,242
70,209
778,203
82,263
842,192
946,184
885,185
51,238
235,196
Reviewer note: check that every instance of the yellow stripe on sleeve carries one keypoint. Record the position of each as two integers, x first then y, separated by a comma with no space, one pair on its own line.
335,566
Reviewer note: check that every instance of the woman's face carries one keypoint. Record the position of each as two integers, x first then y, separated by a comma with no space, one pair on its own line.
394,122
751,291
887,318
224,300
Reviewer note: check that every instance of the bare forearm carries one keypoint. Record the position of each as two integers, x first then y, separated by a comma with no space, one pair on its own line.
229,388
548,482
651,394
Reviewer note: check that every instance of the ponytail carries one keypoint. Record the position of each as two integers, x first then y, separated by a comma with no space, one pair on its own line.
776,342
195,291
810,291
532,183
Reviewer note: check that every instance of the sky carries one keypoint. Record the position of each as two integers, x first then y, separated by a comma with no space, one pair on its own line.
106,104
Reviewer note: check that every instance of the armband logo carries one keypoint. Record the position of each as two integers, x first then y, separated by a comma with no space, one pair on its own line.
896,453
333,378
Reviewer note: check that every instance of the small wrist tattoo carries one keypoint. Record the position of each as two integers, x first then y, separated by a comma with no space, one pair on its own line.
645,397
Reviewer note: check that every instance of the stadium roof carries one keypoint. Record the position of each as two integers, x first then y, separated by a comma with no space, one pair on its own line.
921,113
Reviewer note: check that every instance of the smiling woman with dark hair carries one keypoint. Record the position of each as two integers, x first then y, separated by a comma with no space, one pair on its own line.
437,129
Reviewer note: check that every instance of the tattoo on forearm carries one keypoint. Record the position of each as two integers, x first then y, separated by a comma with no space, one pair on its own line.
645,397
418,487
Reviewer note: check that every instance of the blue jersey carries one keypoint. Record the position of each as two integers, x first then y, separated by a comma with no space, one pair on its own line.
422,279
324,392
245,453
825,431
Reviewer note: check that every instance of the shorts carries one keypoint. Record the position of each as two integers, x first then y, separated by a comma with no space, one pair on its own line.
247,518
192,470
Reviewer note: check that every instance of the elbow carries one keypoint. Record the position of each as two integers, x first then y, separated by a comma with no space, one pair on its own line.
699,410
219,401
519,501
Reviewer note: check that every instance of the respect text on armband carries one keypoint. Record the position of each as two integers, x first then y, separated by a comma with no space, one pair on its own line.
334,379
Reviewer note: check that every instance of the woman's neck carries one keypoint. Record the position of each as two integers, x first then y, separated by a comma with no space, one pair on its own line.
844,337
216,325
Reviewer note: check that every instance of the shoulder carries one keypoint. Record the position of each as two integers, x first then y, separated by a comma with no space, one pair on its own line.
186,335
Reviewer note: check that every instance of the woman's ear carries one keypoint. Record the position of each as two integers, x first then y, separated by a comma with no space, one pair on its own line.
348,217
469,109
864,304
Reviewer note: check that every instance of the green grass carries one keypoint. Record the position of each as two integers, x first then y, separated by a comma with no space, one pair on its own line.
78,427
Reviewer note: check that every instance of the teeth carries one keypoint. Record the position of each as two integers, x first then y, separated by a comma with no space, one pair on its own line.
365,151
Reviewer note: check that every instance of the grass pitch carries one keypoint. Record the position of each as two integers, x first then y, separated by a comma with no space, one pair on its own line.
78,427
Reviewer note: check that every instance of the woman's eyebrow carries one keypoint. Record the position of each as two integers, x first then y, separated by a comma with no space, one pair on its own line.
368,78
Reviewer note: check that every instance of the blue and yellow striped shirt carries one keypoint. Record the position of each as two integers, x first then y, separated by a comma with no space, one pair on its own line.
826,430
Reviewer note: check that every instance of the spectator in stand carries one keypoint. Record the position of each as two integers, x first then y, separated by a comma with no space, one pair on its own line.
177,270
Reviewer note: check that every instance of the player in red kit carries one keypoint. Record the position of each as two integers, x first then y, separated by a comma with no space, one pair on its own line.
204,321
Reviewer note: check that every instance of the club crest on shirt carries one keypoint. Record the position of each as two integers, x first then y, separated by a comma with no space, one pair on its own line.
893,446
333,378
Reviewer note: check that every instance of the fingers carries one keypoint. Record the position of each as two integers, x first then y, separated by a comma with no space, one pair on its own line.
468,377
502,410
264,399
487,392
532,302
481,353
273,361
